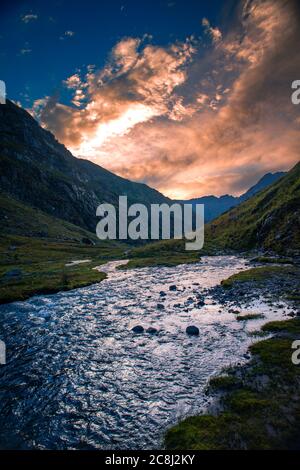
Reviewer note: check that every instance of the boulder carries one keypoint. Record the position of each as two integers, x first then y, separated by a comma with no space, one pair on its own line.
160,306
173,287
138,329
152,331
192,331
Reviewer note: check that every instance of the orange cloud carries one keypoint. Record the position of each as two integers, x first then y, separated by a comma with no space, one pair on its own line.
186,120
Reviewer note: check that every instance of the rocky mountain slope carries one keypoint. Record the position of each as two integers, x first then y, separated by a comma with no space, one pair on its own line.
40,172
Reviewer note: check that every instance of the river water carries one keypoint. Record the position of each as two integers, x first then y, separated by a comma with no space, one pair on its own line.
77,377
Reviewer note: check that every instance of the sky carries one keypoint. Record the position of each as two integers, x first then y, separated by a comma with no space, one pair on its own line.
191,97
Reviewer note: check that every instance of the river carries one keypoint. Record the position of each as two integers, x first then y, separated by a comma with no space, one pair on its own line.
77,377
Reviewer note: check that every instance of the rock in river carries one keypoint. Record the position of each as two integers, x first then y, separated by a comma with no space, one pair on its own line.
152,331
138,329
192,331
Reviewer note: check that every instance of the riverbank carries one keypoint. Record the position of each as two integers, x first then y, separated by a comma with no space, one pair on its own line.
257,405
32,266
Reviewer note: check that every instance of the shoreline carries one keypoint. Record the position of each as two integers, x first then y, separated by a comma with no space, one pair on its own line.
258,403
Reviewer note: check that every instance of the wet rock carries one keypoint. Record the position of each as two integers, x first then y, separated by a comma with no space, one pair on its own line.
138,329
192,330
152,331
162,293
160,306
177,306
173,288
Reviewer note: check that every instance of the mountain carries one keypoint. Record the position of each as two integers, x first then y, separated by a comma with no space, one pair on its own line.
38,171
215,206
269,220
265,181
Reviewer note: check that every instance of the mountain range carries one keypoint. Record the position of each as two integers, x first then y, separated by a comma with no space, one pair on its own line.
38,172
215,206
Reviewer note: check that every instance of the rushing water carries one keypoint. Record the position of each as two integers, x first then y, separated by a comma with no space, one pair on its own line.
78,377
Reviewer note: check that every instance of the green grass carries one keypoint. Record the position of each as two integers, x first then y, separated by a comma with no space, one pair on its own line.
161,261
39,246
289,326
260,402
259,275
224,382
41,263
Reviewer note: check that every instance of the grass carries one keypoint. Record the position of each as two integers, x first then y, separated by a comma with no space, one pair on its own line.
41,265
260,402
38,246
162,253
259,275
161,261
289,326
224,382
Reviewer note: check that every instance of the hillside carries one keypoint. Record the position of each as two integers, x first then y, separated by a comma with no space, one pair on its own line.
268,221
40,172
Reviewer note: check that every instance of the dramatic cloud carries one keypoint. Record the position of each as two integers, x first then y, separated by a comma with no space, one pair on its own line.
191,118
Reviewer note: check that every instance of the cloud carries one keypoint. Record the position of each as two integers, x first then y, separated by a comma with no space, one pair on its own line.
186,119
67,34
214,33
25,51
29,17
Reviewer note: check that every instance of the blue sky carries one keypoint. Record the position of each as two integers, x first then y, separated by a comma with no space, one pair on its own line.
36,53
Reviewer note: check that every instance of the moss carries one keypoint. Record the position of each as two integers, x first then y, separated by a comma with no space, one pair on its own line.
250,316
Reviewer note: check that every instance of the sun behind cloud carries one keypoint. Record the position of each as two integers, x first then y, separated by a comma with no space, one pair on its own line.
194,117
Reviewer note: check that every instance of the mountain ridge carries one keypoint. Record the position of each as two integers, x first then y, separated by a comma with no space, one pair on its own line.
217,205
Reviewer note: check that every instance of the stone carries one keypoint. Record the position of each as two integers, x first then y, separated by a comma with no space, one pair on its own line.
192,330
152,331
138,329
